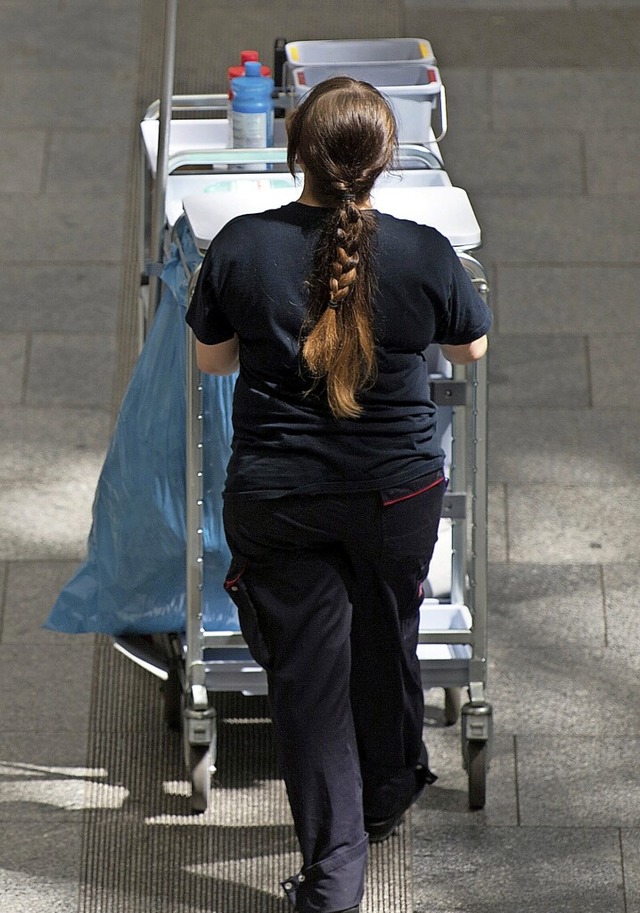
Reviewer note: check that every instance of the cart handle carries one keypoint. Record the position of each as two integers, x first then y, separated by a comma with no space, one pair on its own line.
206,102
278,155
442,111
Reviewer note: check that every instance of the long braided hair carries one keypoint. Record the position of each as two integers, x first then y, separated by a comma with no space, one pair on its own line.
344,134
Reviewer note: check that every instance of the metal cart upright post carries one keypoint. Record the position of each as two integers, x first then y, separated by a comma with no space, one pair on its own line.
181,159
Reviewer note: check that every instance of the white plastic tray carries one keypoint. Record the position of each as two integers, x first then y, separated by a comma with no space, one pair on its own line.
440,617
359,50
446,208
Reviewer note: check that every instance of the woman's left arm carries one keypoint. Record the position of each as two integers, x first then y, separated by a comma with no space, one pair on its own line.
221,358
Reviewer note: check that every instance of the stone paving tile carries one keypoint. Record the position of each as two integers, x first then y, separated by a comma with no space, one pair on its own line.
45,521
84,162
468,93
55,36
32,700
4,570
507,869
39,779
66,298
562,691
550,524
614,362
564,446
27,748
530,36
568,298
535,606
611,162
55,784
61,227
538,371
71,370
52,444
22,155
577,782
564,98
40,870
32,588
317,20
515,163
66,98
606,4
631,856
534,230
13,352
489,5
83,6
497,523
622,601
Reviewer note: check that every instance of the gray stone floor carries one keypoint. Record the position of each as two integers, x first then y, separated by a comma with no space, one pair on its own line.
544,105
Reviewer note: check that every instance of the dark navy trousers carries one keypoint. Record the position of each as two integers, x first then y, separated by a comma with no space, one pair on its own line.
328,589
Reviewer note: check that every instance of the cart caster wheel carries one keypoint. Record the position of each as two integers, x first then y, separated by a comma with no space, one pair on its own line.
476,730
173,697
477,765
452,702
200,769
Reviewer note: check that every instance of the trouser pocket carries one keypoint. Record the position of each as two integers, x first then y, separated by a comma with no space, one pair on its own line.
236,586
410,516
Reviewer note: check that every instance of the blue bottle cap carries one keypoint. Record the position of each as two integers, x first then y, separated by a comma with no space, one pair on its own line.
253,68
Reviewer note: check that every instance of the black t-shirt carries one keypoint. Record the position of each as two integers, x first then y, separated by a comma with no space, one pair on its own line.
252,283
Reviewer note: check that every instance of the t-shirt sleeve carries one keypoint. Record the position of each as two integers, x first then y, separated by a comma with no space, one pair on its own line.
467,316
205,315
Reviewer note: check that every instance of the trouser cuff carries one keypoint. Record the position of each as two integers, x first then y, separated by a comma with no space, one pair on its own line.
335,883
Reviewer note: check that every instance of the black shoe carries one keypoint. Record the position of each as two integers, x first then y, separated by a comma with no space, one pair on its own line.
384,828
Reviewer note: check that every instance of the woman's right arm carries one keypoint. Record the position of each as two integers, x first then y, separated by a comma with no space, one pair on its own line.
466,354
467,315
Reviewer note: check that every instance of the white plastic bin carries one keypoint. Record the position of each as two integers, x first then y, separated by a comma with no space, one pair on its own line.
413,91
360,50
434,617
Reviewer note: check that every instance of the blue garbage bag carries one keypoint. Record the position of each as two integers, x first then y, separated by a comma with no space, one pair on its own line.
133,579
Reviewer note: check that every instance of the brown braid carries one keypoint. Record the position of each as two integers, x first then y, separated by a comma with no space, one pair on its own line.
340,345
344,269
345,134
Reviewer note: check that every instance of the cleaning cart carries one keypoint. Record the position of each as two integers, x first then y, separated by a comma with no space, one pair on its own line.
193,183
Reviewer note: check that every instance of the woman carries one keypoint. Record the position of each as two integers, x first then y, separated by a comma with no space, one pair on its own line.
335,485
